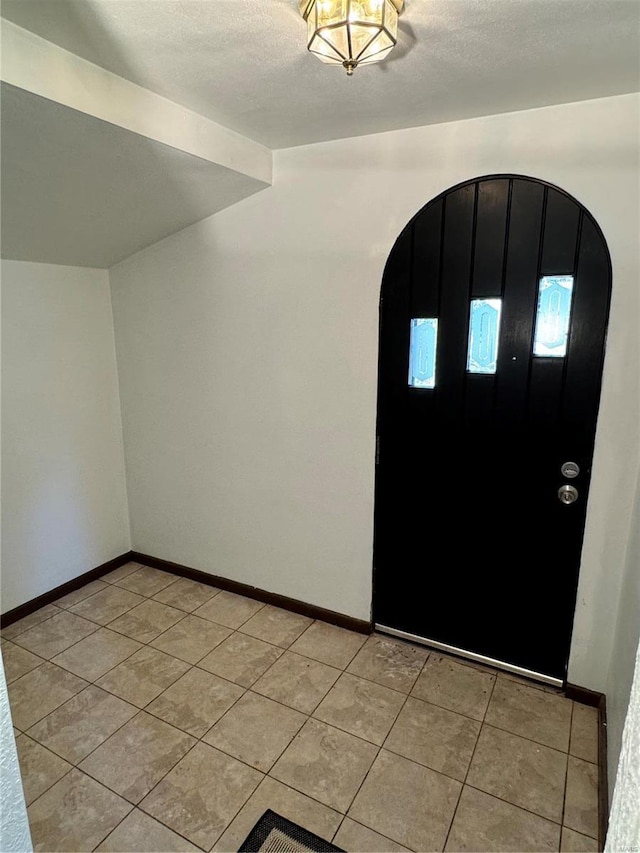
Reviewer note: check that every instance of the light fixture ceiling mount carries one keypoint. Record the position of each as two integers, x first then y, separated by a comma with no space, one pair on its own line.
351,32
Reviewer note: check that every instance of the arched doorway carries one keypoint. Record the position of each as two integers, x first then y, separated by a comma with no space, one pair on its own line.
493,316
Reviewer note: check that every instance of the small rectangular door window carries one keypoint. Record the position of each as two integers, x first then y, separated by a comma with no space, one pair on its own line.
553,315
484,333
422,352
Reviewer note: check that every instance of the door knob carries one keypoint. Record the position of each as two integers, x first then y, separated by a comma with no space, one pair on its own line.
567,494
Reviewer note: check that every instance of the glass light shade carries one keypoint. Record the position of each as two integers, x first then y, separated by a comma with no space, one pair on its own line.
351,32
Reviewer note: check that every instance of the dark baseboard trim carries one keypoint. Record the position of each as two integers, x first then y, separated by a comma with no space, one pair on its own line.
583,696
310,610
30,607
599,701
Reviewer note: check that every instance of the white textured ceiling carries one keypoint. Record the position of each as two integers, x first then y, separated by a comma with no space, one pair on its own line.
243,63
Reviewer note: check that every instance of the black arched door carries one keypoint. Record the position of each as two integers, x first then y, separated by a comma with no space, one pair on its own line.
493,318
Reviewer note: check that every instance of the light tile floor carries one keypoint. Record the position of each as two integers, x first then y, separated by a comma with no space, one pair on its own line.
159,714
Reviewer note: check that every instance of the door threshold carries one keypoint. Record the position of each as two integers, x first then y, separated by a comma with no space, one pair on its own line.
463,653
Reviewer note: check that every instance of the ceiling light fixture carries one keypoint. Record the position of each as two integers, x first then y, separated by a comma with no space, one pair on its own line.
351,32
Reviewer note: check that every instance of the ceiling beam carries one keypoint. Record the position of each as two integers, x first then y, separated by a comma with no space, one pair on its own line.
42,68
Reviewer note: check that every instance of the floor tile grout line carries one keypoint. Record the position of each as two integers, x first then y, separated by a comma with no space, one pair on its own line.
248,765
74,643
46,619
84,678
152,789
41,659
248,688
380,747
377,755
288,648
516,806
475,747
368,828
138,711
71,698
151,817
104,838
304,793
66,772
566,772
529,739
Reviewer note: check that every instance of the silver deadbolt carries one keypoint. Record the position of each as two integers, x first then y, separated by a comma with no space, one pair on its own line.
570,470
567,494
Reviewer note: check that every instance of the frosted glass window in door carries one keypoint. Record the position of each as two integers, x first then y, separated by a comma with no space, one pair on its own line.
553,315
422,352
484,333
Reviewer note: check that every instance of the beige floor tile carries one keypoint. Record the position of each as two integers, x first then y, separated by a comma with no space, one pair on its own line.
84,722
455,686
143,676
256,730
329,644
139,833
389,662
484,823
51,637
326,764
241,659
406,802
581,799
196,701
97,654
276,626
296,681
137,756
584,733
121,572
39,768
147,621
17,661
531,713
290,804
107,605
361,707
41,691
74,815
186,594
191,639
575,842
355,836
146,581
229,609
202,794
435,737
29,621
80,594
522,772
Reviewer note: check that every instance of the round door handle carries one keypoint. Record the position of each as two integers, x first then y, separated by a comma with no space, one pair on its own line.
567,494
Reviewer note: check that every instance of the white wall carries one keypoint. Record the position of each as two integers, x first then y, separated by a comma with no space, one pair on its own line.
15,836
247,353
624,820
64,505
625,647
